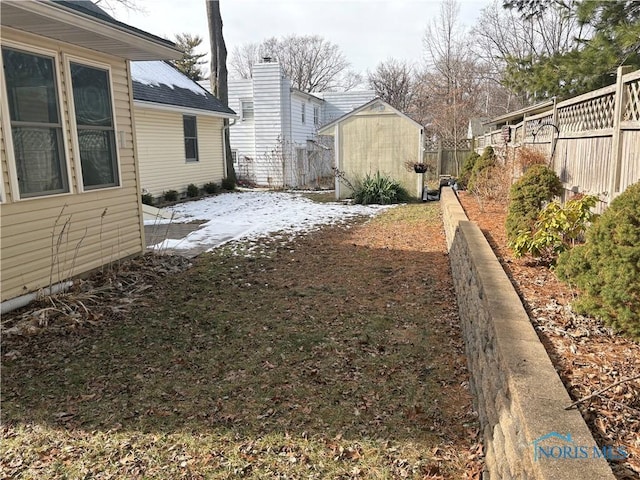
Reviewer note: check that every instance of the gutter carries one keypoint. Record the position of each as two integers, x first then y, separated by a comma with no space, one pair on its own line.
24,300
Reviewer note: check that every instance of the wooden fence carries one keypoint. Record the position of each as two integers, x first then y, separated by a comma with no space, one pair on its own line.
447,155
592,141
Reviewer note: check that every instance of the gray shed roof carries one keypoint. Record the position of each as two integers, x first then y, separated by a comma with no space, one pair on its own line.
161,83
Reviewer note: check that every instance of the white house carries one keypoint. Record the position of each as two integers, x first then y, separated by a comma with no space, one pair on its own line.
275,140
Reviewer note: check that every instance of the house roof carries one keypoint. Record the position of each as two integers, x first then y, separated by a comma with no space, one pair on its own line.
80,22
159,82
325,129
519,114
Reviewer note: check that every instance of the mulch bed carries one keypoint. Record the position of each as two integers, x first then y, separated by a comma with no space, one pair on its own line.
587,355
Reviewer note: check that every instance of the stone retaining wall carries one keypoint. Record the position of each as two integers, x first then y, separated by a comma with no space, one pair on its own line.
517,392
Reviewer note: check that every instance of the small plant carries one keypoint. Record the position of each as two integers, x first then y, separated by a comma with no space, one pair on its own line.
211,188
170,196
192,190
527,197
557,229
485,162
467,168
606,269
228,184
147,199
379,189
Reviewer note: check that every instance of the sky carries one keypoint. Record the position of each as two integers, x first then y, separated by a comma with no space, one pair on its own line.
367,31
248,216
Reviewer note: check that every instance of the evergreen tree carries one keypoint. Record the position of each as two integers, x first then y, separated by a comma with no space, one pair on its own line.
191,63
613,40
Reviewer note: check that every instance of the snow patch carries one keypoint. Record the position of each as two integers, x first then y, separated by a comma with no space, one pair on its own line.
156,73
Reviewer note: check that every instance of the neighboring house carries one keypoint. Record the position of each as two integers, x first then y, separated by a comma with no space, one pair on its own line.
275,141
376,138
179,129
69,177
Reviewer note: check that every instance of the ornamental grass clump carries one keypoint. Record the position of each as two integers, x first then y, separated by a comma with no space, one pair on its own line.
606,269
528,196
379,189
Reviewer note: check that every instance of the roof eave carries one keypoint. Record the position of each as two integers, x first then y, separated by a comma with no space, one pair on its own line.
59,22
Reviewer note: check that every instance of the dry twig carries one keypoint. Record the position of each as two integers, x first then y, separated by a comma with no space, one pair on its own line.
598,392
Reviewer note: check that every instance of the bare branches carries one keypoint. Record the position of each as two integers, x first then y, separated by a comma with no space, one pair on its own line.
392,81
312,63
602,390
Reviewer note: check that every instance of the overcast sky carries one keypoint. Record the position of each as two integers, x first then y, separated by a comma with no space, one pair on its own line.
367,31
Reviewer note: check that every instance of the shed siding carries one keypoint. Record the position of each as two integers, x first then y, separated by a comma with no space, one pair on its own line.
31,227
161,153
370,142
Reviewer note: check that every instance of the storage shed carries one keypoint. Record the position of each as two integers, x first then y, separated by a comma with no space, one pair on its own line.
376,138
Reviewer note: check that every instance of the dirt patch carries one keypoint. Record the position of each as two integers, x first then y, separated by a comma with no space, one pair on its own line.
587,355
335,355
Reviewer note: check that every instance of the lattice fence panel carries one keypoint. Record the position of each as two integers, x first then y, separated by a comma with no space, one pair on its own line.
632,106
592,114
537,131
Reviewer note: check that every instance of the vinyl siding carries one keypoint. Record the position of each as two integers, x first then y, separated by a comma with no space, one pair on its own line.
269,133
161,154
337,104
375,141
242,132
30,227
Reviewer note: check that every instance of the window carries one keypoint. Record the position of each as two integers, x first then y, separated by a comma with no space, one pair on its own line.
36,125
246,107
190,138
234,157
303,112
316,115
95,126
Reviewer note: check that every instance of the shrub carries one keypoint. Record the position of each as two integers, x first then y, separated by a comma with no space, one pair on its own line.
147,199
228,184
467,167
379,189
557,229
192,190
527,197
211,187
528,157
483,163
170,196
606,269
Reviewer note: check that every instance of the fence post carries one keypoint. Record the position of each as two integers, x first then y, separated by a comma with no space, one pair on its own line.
616,143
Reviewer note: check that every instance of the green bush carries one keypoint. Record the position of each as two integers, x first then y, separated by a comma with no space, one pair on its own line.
527,197
192,190
557,229
211,187
467,167
379,189
228,184
170,196
480,166
147,199
606,269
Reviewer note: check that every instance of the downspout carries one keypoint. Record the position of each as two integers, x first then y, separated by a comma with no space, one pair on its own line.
225,126
23,300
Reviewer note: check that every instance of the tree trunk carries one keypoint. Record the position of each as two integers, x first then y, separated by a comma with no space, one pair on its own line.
219,73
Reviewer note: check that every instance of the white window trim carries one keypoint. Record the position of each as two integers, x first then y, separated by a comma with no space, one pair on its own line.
242,117
194,161
6,124
73,126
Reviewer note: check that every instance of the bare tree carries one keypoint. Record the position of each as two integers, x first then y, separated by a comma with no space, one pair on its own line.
219,73
392,81
312,63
